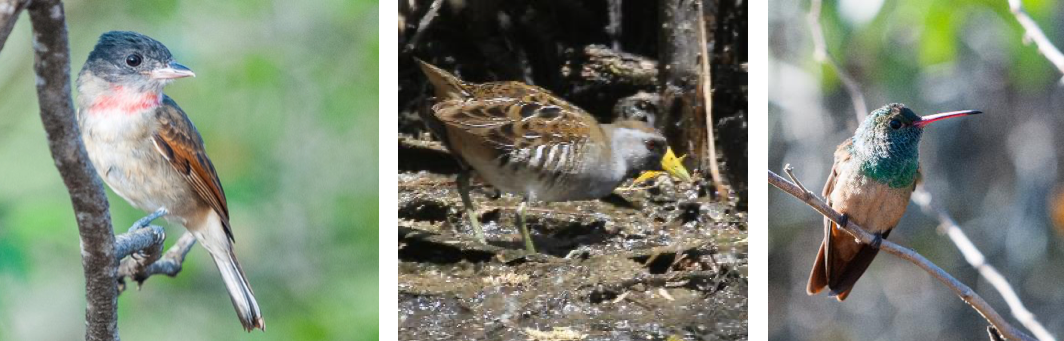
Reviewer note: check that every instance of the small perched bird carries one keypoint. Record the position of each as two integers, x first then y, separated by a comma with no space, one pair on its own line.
146,149
524,140
874,174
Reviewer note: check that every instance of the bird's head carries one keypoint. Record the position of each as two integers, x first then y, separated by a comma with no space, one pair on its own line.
134,61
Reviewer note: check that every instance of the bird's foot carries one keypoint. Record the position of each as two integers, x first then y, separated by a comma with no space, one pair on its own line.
843,221
144,222
877,241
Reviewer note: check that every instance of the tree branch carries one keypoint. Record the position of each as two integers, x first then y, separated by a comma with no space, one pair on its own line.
820,53
52,64
1034,33
971,254
423,25
964,292
153,263
9,11
144,239
144,243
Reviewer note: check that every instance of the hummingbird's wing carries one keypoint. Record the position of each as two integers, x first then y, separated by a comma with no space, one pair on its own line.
818,278
180,144
841,260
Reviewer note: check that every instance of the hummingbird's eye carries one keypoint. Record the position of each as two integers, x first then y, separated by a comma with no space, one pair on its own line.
895,124
133,60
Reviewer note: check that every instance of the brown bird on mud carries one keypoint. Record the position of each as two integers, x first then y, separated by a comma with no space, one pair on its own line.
524,140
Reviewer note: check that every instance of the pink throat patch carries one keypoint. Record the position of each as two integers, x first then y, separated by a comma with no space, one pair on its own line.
123,101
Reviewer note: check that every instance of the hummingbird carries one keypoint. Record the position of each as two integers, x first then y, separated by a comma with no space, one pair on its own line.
874,174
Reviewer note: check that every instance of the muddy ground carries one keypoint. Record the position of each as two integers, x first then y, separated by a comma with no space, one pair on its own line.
656,261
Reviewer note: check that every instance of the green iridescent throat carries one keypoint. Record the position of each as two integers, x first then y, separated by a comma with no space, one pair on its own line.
892,164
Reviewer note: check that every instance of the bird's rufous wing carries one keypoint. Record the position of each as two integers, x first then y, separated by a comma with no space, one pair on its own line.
818,277
179,143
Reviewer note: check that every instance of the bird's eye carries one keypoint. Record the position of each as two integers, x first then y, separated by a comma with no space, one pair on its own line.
895,124
653,144
133,60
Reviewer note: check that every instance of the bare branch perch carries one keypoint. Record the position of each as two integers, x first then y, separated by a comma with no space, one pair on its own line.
52,64
144,239
141,243
1034,33
144,244
971,254
963,291
169,264
9,11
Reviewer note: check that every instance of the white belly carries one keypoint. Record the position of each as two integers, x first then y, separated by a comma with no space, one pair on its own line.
130,165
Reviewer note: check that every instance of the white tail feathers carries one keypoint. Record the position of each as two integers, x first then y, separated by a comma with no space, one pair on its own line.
213,238
247,309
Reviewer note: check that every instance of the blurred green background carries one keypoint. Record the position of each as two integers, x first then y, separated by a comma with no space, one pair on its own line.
286,100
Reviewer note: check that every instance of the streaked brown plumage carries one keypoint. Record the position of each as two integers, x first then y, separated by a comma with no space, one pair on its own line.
524,140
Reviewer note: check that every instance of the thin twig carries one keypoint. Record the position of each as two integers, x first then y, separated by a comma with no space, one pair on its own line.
707,100
790,173
820,52
1034,33
424,24
971,254
963,291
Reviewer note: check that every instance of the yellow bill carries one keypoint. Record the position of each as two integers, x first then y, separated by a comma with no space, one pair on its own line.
671,164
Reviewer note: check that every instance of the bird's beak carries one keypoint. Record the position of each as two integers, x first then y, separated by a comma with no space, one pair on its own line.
937,117
674,166
172,71
670,164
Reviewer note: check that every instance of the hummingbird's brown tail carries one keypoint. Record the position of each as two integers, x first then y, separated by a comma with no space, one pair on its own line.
818,278
840,263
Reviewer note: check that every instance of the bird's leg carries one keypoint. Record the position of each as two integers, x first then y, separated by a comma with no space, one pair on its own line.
877,241
846,220
529,246
141,256
843,222
471,212
143,222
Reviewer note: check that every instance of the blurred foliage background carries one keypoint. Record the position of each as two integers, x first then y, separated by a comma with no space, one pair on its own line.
286,100
997,174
